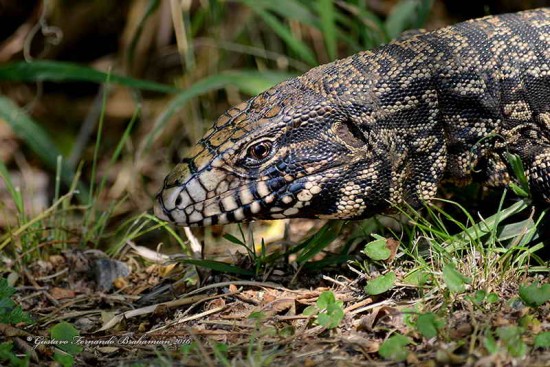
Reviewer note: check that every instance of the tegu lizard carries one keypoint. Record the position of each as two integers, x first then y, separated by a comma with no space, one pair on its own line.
385,127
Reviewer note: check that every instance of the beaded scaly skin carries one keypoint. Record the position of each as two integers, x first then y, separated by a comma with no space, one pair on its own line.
351,138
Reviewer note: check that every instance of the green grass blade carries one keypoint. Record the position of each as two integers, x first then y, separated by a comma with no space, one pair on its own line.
288,9
250,82
320,240
408,14
328,261
328,26
14,192
480,228
517,230
308,14
152,6
300,48
56,71
35,137
6,239
358,27
372,29
105,92
423,12
164,225
217,266
24,127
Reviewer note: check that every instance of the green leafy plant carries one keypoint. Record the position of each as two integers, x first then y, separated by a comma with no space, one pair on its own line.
506,339
428,324
395,348
481,297
377,249
417,277
328,310
9,357
542,340
522,187
456,282
381,284
66,349
220,351
10,312
534,295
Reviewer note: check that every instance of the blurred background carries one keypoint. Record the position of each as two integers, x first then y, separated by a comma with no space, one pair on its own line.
121,89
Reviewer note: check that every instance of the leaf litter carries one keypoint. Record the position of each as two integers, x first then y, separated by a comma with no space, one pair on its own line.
234,312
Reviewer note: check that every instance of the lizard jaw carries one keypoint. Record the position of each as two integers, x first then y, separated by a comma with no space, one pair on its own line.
216,210
211,196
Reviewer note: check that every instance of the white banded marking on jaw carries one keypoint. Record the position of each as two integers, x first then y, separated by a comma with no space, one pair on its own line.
232,199
227,206
239,214
180,217
212,213
290,211
229,203
255,207
195,217
222,187
222,218
195,190
262,188
246,196
209,180
183,199
212,210
231,216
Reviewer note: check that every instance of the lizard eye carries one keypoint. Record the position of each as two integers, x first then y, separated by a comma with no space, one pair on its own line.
260,150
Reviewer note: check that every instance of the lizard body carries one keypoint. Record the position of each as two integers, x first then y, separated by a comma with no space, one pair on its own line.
350,138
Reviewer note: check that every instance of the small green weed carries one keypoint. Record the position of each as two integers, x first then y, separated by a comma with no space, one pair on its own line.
381,284
395,348
428,324
11,314
66,349
534,295
378,249
328,311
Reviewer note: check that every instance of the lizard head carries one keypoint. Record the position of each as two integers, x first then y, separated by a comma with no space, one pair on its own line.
289,152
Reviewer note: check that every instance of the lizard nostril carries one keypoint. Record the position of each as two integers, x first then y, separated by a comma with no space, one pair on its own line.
178,200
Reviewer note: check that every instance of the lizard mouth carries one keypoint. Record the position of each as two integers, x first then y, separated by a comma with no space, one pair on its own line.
227,207
215,196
